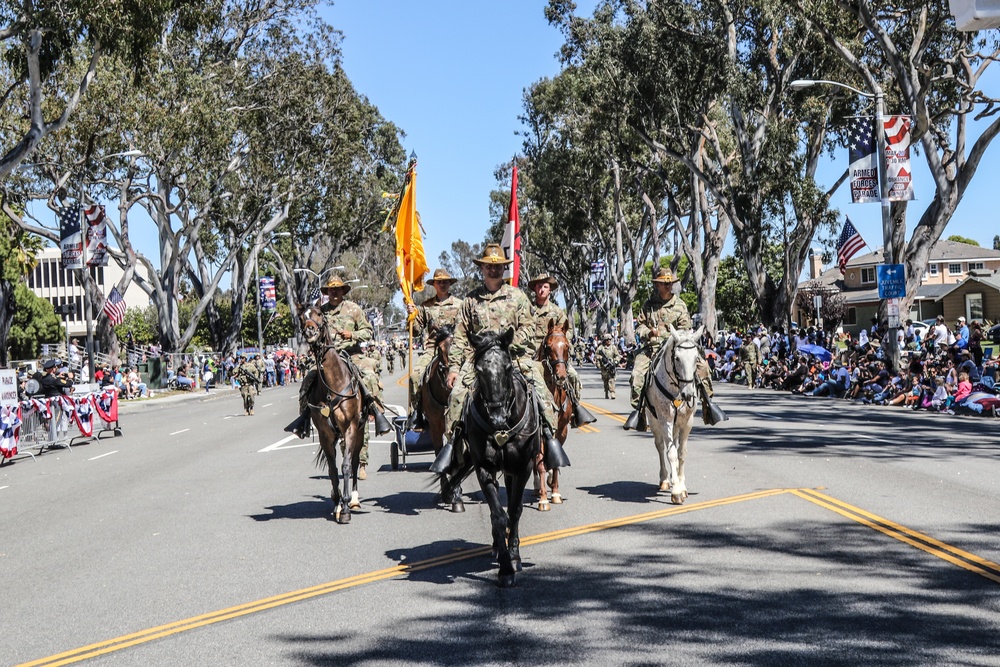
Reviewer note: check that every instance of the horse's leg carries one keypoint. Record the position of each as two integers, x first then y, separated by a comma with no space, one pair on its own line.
678,492
543,492
328,441
673,463
515,504
499,521
554,475
355,459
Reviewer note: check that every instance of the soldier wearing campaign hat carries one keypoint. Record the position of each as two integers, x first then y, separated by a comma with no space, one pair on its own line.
662,310
433,315
349,331
546,311
607,358
494,307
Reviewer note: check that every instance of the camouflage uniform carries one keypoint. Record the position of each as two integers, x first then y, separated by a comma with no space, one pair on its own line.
543,315
482,311
750,359
248,377
432,315
653,328
261,370
607,357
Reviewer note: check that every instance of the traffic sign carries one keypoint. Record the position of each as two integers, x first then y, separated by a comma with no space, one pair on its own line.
891,281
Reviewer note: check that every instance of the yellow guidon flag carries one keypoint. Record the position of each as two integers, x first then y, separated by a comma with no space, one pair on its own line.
411,265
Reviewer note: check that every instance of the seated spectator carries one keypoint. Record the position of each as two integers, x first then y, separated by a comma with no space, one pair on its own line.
968,365
183,381
941,400
136,387
837,384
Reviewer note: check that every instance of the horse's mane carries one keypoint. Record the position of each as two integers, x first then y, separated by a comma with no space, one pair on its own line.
444,333
489,340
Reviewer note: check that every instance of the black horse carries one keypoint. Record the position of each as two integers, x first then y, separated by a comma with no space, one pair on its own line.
503,435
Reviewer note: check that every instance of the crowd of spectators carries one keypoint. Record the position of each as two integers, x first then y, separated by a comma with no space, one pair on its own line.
943,369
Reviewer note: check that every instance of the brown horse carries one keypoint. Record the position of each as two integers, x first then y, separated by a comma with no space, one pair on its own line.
434,395
554,355
336,410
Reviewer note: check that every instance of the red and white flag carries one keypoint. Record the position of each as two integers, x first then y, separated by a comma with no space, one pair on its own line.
511,242
897,157
97,236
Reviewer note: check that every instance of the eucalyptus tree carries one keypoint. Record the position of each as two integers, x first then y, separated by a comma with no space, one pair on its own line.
910,50
41,40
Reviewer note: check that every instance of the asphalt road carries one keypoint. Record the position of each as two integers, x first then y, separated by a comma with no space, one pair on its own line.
817,532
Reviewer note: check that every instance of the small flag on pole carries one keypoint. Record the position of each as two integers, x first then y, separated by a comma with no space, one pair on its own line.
114,307
849,243
511,242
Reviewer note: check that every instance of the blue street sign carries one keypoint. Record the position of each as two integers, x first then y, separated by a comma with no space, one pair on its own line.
891,281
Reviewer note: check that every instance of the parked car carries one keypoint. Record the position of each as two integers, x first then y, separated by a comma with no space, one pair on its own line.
994,334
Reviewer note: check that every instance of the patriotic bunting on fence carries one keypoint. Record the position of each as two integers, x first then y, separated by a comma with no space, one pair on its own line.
80,408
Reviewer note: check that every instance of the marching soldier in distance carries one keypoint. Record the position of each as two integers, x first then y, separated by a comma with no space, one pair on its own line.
247,375
608,358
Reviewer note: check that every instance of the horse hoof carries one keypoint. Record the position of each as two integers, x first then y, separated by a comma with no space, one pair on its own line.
506,581
678,498
343,518
355,505
557,499
664,486
458,507
362,473
516,564
543,506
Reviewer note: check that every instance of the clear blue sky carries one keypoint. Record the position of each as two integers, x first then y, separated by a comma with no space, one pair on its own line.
451,74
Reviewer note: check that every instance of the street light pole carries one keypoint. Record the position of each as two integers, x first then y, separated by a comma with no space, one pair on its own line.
888,252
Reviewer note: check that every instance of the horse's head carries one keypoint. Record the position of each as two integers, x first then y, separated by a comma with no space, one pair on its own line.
681,357
494,374
442,340
311,321
555,352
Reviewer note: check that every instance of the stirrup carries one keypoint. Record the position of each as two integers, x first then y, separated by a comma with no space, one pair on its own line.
636,420
712,414
301,426
582,416
382,424
555,455
443,459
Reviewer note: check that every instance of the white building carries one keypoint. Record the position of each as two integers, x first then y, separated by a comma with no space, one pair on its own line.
50,281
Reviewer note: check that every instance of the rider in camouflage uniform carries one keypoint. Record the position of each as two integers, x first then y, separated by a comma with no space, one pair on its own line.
663,309
545,310
349,331
440,310
247,375
607,358
494,307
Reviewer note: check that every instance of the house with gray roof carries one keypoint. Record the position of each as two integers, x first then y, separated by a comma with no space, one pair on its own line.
961,279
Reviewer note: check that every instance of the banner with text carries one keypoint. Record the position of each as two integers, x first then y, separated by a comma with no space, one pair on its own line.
861,153
70,237
897,157
97,236
268,299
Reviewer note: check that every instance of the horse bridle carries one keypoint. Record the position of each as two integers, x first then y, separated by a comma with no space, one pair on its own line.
686,345
553,364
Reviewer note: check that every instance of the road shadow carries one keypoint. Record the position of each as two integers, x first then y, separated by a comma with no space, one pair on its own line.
425,561
407,503
624,491
785,595
321,507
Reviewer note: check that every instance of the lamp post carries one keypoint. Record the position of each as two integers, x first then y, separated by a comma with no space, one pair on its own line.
888,252
256,267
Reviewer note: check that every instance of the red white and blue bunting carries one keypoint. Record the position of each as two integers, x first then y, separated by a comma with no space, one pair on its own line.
81,409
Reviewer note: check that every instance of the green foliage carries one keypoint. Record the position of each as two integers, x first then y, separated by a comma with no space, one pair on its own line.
962,239
735,300
35,322
141,322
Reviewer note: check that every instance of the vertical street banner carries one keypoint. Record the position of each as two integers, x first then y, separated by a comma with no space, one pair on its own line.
511,242
97,236
268,298
897,157
70,237
861,151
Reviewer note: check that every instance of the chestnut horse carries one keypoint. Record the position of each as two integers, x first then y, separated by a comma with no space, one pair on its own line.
554,355
335,408
434,395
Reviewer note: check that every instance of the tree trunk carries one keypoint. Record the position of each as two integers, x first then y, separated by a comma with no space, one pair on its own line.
7,309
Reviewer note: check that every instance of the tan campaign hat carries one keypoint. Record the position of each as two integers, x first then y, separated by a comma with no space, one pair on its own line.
553,283
441,276
665,276
336,282
493,254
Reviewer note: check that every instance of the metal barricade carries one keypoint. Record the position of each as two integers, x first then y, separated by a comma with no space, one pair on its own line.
40,433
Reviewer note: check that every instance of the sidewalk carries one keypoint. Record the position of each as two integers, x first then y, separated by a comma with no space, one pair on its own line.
163,397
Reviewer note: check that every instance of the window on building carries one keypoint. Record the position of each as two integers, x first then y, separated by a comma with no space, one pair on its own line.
54,269
932,269
954,269
867,275
974,307
79,309
852,316
976,266
45,273
62,277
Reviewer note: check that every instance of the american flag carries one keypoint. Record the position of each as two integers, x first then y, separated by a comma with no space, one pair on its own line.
114,307
314,296
848,245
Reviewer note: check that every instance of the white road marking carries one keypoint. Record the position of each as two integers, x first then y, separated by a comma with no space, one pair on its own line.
183,430
229,417
267,405
4,487
866,436
103,455
381,442
765,416
271,448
